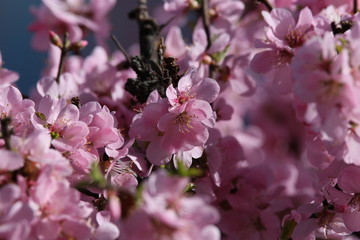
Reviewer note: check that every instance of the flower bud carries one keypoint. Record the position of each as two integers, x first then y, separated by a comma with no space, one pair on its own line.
77,46
212,13
207,59
194,4
55,39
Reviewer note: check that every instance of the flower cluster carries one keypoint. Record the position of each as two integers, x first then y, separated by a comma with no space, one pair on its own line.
237,119
179,123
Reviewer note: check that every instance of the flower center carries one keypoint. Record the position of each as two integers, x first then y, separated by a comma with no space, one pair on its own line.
354,204
183,98
331,88
294,38
283,58
58,129
183,120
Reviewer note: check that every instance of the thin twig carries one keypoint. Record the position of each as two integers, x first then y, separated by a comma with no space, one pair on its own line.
120,47
355,9
62,57
206,22
144,13
162,26
6,131
149,32
88,192
267,4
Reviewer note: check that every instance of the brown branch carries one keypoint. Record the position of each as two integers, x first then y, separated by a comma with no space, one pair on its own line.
149,66
355,9
267,4
163,25
64,50
149,32
144,13
206,22
121,48
6,131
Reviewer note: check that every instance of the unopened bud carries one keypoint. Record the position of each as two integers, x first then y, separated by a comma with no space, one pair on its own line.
212,13
194,4
55,39
66,40
77,46
207,59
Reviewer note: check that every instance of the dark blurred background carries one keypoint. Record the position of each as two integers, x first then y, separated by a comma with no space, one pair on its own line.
15,39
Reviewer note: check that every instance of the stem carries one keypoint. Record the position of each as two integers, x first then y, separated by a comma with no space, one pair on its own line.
355,9
144,14
6,131
62,57
149,32
162,26
267,4
120,47
88,193
206,22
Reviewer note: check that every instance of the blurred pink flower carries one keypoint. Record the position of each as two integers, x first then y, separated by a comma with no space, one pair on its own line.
73,17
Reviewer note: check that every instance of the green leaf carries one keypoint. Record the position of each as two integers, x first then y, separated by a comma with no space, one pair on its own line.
190,187
219,56
40,115
288,230
54,135
341,46
183,171
97,176
195,172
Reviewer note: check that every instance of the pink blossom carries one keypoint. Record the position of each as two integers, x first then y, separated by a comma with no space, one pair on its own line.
182,131
176,47
61,120
101,124
318,5
261,225
265,106
237,74
10,161
66,88
167,213
13,105
144,127
70,16
176,5
188,115
326,223
319,64
225,157
225,15
7,77
283,36
59,208
283,29
186,157
121,175
106,229
191,87
200,56
15,215
346,181
331,15
81,162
